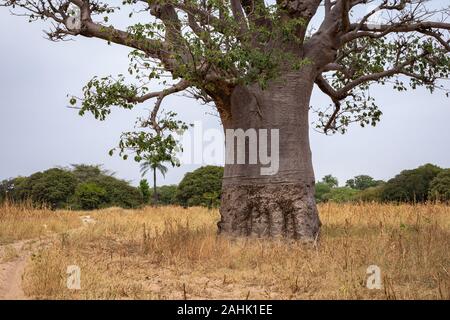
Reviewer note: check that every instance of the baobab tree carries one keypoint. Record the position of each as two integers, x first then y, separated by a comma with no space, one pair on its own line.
258,63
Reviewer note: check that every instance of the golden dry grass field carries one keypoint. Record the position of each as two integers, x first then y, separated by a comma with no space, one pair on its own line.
174,253
20,222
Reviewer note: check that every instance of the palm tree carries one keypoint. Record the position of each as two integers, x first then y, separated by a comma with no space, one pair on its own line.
149,164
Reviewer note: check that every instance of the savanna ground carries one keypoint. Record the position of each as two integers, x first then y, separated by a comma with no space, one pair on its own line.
174,253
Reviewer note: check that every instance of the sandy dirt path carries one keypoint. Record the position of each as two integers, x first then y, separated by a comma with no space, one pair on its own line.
12,269
12,265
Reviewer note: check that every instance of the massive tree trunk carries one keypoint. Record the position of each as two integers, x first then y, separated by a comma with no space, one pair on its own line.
281,204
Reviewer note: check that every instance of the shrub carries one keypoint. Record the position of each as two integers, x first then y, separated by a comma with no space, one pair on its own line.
411,185
372,194
331,181
167,195
322,189
440,187
144,189
53,187
119,192
362,182
343,194
192,189
57,187
6,189
89,196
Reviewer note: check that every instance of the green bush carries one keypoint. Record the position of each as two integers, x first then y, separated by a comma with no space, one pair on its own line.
144,189
362,182
89,196
57,187
85,173
322,189
194,188
331,181
167,195
342,194
6,189
19,189
372,194
119,192
53,187
411,185
440,187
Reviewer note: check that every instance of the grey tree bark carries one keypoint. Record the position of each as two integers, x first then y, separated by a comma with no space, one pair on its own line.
279,205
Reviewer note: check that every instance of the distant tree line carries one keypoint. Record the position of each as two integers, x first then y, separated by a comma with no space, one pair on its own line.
425,183
84,187
201,187
88,187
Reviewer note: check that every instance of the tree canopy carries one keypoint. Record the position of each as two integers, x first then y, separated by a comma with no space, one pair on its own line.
362,182
330,181
411,185
144,189
54,187
201,187
425,183
208,47
440,186
80,187
90,196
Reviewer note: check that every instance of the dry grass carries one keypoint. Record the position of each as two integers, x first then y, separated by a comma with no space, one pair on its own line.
21,222
8,254
174,253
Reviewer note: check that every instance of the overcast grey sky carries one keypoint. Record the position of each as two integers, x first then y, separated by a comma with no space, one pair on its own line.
38,131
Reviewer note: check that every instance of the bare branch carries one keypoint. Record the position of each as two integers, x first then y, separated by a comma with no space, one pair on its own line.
383,30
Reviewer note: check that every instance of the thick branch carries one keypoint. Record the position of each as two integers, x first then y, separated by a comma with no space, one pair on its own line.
153,48
238,13
364,30
379,75
180,86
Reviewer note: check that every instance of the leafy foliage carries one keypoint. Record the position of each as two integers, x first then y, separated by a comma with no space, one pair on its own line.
201,187
362,182
213,46
6,187
89,196
167,195
371,194
53,187
330,181
84,172
154,165
155,143
212,199
119,193
415,61
411,185
144,188
342,194
85,187
322,189
440,187
328,190
101,93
